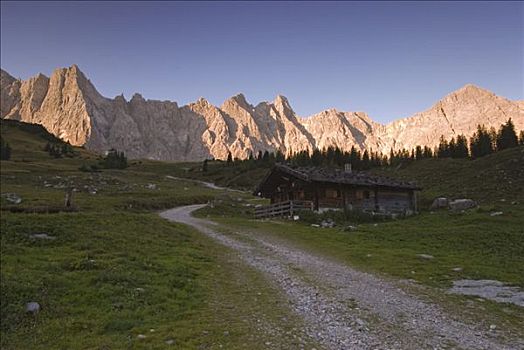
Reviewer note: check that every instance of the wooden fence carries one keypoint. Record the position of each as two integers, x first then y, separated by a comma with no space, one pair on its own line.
287,208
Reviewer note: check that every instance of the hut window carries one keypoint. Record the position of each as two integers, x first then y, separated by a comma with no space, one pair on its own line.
363,194
330,193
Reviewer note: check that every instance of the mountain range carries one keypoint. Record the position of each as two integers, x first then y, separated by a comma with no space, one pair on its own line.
68,105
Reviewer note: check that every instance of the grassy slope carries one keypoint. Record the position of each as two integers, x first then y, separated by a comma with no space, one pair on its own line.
116,230
115,269
488,180
243,176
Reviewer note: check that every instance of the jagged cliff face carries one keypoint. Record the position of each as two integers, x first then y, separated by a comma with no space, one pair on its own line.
69,106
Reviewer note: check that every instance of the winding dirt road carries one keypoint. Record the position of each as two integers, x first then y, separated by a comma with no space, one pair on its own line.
344,308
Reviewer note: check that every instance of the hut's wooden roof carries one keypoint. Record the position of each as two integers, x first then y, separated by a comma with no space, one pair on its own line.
337,176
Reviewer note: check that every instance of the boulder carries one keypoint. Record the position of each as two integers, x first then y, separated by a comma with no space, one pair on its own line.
42,235
12,198
32,307
439,203
462,204
426,256
350,228
328,223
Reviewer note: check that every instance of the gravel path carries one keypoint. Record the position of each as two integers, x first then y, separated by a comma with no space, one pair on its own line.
205,183
344,308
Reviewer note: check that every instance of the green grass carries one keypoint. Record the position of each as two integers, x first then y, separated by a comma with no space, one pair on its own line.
488,180
106,279
115,268
244,176
485,247
193,289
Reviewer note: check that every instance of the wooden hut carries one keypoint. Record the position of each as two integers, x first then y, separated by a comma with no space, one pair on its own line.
293,188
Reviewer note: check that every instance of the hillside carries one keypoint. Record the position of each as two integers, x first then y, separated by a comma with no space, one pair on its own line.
69,106
110,271
493,178
499,176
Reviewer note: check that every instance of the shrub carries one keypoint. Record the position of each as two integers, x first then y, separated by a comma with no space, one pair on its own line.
114,160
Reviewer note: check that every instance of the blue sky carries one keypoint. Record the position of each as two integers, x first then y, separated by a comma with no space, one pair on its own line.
390,59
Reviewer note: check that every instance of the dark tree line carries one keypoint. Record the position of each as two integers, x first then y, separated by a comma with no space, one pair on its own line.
114,160
330,157
335,157
483,142
455,148
59,150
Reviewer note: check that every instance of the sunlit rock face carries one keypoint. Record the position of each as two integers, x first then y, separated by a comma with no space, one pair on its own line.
458,113
70,107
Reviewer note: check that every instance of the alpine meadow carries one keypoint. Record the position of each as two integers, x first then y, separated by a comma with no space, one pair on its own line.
160,191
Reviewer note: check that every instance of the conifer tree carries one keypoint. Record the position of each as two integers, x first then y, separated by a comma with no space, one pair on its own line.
461,147
279,156
481,144
5,150
365,160
443,150
316,157
428,152
506,136
418,152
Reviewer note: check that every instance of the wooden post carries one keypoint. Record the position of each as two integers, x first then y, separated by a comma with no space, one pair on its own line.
344,204
68,202
377,207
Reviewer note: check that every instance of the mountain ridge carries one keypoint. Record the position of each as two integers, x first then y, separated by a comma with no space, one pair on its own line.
68,105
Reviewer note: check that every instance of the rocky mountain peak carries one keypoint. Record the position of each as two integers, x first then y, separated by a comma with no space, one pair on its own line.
467,92
202,102
6,75
40,76
282,103
281,99
468,88
120,100
137,98
68,105
239,100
